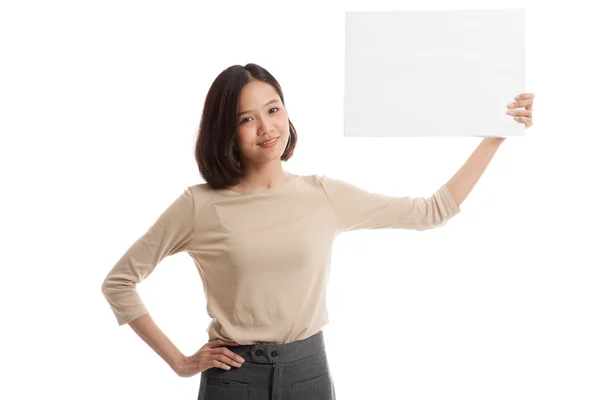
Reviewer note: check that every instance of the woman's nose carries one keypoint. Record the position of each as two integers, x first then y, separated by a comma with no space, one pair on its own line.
265,125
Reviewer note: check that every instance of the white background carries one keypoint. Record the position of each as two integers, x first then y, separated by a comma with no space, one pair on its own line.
100,102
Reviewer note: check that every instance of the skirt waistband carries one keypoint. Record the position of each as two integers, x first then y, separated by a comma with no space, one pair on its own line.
270,353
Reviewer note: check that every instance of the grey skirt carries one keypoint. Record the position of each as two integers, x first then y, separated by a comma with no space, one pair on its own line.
292,371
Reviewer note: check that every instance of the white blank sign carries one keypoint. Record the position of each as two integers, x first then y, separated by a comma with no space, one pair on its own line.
433,73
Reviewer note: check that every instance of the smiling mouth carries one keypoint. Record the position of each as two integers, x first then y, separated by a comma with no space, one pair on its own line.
270,141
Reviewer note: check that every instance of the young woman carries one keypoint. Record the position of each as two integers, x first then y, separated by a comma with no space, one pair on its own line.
261,240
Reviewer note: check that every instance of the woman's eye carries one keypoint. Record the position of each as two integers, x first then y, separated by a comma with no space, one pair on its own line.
244,120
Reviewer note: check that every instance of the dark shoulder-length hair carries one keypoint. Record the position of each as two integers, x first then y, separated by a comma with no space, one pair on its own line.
217,158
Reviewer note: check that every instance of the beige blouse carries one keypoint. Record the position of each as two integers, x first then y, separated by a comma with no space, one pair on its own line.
264,255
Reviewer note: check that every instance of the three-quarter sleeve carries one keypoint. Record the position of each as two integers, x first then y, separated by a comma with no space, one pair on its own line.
356,208
171,233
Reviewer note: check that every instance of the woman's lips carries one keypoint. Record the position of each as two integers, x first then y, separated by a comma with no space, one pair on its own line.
273,143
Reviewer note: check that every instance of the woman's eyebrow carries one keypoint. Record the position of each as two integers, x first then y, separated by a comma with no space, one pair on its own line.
266,104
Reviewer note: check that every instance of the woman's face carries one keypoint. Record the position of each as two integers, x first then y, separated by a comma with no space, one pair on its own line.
261,116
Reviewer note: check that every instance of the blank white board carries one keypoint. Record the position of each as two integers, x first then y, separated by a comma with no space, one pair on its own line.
433,73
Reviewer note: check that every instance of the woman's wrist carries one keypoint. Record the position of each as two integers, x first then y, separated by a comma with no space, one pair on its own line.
177,363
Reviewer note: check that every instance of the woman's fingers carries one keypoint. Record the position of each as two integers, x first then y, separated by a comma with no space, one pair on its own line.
217,355
523,96
227,356
528,122
527,103
523,100
523,113
527,95
219,364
